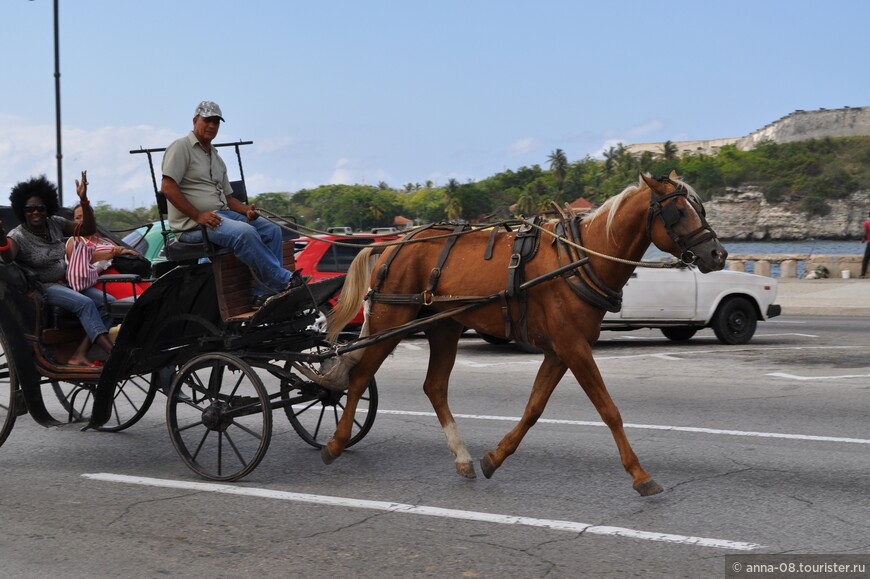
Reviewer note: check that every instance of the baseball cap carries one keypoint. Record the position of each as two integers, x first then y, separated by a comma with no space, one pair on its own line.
207,109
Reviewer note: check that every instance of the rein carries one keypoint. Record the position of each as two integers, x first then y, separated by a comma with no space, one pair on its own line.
301,230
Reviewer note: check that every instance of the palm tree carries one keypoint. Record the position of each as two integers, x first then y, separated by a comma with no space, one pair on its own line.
526,202
454,205
669,151
559,167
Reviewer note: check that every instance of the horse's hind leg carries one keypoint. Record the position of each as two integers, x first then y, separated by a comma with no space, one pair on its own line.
586,371
549,374
443,341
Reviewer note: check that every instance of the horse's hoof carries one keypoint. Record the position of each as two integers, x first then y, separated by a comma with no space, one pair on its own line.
648,487
326,456
487,466
466,469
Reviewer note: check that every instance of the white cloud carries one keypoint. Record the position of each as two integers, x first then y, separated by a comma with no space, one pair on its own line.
341,174
117,177
272,144
522,146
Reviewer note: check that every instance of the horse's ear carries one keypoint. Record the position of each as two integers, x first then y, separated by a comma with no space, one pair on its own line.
650,181
673,176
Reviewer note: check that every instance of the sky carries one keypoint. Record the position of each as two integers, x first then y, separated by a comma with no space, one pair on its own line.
404,91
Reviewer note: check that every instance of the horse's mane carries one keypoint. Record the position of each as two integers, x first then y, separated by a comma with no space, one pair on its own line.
611,206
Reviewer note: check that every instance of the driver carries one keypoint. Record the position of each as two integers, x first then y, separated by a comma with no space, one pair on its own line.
196,185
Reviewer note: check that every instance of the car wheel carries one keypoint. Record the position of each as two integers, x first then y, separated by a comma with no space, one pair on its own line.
735,321
680,333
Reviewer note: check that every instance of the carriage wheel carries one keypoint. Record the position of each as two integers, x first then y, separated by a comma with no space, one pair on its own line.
219,416
8,390
316,415
132,399
316,411
75,399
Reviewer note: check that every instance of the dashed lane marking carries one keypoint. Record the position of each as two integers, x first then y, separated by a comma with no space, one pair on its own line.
647,427
810,378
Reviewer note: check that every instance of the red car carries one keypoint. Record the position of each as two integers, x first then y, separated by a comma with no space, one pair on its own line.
322,259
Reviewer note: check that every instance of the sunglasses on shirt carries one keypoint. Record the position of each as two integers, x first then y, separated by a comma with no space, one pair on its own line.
32,208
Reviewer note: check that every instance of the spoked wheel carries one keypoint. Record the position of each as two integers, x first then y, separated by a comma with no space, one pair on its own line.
219,416
315,411
8,389
132,399
75,399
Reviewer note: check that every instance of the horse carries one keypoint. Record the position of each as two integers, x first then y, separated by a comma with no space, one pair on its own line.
559,311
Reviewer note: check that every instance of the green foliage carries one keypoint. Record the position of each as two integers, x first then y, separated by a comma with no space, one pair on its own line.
808,173
122,221
814,205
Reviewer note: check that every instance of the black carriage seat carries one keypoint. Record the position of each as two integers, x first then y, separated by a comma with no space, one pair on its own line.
232,277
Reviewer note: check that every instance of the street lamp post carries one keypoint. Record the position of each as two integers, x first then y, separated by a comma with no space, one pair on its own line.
57,105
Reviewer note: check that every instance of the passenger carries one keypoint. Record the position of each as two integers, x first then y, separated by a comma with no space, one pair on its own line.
105,250
866,239
38,244
196,184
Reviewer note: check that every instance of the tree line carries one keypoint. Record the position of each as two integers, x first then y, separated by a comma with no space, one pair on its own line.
805,173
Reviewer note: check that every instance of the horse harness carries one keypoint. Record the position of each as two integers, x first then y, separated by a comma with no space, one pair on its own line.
574,268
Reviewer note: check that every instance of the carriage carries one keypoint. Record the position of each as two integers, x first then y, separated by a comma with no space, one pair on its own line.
194,335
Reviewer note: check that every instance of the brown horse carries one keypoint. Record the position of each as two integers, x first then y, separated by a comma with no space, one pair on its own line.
560,314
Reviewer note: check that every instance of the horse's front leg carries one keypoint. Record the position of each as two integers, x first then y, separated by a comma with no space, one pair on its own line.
586,371
549,374
443,341
360,377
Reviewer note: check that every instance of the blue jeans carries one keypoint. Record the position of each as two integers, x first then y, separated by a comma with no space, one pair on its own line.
256,243
88,306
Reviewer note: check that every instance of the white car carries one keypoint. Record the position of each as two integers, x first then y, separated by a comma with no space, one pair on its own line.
682,300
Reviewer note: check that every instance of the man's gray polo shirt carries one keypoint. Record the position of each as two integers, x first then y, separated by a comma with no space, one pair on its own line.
201,177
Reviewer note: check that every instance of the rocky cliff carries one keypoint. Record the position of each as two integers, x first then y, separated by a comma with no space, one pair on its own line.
743,214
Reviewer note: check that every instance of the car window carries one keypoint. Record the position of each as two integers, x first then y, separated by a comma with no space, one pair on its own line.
137,241
339,257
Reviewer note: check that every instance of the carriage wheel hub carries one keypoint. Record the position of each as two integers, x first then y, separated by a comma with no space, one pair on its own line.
214,417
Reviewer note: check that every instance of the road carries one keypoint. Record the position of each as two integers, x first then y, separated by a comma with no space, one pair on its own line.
763,448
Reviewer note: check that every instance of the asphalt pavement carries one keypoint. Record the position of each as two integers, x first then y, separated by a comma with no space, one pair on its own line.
824,297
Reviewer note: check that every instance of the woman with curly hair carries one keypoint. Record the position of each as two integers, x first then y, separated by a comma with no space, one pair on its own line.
38,244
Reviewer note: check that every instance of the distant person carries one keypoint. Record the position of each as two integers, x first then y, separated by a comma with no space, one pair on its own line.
196,185
866,239
38,244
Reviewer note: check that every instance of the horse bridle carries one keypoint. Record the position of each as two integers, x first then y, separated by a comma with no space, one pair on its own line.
670,216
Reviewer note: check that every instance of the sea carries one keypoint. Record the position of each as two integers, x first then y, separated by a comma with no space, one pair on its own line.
811,246
808,246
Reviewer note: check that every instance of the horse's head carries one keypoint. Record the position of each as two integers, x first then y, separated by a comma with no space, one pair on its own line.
677,223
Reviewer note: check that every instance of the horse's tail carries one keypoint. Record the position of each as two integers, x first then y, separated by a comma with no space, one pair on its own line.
355,286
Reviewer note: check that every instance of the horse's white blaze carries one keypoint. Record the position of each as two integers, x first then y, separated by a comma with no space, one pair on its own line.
456,444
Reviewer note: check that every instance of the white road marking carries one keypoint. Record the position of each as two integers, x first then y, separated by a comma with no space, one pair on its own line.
405,509
647,427
808,378
721,350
